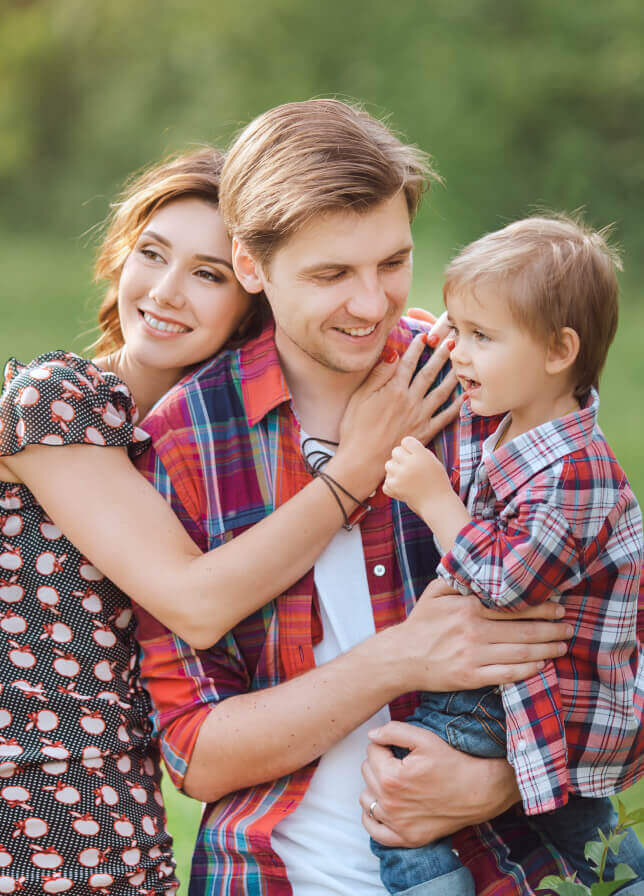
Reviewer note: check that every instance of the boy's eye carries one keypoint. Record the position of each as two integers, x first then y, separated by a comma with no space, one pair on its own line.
481,337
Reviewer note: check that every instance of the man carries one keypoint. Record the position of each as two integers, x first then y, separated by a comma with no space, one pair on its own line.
318,197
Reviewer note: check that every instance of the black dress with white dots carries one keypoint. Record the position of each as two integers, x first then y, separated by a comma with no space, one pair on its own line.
81,811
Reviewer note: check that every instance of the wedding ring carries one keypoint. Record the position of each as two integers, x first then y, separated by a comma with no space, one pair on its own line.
371,808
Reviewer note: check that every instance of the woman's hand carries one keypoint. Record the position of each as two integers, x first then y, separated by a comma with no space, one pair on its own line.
434,791
392,403
439,329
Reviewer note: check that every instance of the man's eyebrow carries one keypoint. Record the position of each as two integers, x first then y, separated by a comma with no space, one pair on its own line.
329,265
213,259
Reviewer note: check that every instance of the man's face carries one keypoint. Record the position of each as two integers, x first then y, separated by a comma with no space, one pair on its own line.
338,286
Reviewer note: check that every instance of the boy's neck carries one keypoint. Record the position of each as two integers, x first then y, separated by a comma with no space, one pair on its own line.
543,409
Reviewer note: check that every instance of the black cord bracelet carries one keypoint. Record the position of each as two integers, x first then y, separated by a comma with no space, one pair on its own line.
315,461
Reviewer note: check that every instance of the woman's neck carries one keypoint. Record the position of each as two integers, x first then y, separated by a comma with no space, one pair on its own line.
147,384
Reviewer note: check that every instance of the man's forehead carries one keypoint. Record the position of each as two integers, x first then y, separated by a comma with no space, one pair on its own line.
351,238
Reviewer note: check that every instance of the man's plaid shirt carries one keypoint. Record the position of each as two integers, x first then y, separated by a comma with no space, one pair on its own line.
554,517
226,452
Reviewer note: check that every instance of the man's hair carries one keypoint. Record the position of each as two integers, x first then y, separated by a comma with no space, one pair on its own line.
554,272
300,160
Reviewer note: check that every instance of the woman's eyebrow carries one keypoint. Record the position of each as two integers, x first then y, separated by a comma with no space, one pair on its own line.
213,259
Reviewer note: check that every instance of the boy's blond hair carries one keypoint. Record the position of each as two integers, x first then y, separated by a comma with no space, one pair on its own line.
300,160
554,272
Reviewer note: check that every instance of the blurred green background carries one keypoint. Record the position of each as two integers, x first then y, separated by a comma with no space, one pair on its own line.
522,103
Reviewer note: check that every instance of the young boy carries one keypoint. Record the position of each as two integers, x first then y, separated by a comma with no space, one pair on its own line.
545,513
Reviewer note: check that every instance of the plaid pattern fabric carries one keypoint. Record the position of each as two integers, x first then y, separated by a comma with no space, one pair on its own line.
225,453
554,517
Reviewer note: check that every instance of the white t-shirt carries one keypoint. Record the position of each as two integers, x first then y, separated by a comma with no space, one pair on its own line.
322,843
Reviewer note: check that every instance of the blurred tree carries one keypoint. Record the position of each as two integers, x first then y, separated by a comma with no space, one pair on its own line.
522,102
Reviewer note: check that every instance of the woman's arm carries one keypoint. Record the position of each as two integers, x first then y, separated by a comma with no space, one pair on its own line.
117,519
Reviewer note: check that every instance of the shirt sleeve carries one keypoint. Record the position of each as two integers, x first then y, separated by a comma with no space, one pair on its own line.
520,559
184,684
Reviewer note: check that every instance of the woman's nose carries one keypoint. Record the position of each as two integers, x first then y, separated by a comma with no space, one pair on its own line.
167,290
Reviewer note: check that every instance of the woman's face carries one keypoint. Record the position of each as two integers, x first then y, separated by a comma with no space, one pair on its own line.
178,298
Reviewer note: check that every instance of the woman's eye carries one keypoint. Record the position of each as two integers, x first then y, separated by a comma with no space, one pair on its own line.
151,254
212,276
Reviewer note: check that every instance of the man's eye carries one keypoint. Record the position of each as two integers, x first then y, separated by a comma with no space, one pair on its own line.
330,276
394,264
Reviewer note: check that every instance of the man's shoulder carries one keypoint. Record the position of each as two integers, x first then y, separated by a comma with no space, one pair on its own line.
405,330
196,394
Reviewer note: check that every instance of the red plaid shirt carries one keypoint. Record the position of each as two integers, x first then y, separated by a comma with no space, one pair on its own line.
554,518
226,451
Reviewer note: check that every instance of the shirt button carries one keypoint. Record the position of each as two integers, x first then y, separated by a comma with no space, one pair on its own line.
487,513
379,570
522,746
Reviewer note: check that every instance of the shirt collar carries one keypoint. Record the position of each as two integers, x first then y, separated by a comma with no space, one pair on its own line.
513,464
262,381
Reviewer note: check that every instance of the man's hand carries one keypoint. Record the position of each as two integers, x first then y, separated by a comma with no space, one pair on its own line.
434,791
452,642
416,476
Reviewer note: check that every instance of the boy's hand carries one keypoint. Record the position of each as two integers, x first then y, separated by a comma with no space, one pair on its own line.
415,476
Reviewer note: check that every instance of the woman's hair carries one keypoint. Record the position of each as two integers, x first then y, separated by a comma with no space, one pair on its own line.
194,174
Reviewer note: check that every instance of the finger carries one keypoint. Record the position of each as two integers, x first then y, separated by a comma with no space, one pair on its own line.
382,372
421,314
411,445
546,610
439,421
440,327
381,832
410,359
518,655
504,673
431,368
440,394
532,632
399,734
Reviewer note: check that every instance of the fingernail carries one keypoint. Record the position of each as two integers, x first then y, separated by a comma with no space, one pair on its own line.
560,611
451,343
431,339
569,631
374,732
389,354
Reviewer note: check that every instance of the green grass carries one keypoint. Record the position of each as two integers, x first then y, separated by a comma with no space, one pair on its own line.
48,303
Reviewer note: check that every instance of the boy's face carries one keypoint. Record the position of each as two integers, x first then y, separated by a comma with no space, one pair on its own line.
338,286
502,367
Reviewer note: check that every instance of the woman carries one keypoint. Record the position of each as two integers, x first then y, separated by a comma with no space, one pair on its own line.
80,806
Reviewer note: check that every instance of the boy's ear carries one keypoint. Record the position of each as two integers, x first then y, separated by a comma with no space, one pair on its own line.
562,350
246,269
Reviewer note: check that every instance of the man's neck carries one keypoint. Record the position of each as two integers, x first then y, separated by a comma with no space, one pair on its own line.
320,394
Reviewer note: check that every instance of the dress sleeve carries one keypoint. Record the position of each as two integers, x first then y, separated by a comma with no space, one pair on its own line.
62,399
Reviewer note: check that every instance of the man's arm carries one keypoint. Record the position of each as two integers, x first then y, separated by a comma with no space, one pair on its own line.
448,642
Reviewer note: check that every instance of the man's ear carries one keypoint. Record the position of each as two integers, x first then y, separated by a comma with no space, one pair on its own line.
562,350
247,270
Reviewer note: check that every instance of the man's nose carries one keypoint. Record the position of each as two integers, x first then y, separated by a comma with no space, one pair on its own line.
167,290
368,299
